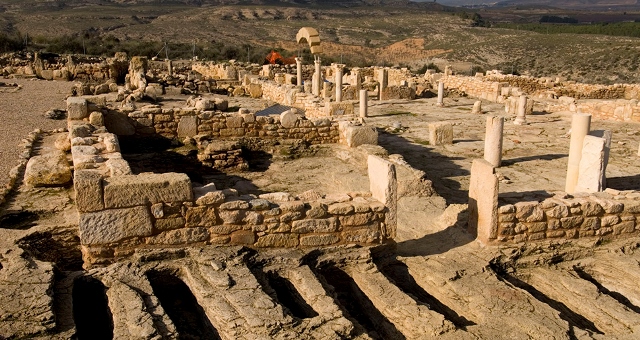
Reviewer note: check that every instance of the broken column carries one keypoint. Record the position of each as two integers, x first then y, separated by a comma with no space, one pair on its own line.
493,141
592,165
440,133
357,74
521,111
440,93
384,188
299,71
338,78
170,67
580,126
364,107
606,134
317,79
383,80
477,107
483,201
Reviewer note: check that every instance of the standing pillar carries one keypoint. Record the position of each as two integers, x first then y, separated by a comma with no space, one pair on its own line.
170,67
440,93
338,84
493,141
364,107
357,74
383,79
521,111
299,71
580,125
317,77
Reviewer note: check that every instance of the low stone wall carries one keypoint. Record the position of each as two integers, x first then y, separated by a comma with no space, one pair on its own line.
313,106
475,87
606,214
120,212
570,217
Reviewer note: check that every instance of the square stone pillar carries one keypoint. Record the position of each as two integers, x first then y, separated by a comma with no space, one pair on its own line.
384,188
483,201
592,165
580,125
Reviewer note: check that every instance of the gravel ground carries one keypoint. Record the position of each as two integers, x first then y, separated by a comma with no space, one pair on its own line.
22,111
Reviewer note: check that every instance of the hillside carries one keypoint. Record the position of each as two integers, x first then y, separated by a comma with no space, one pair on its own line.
412,35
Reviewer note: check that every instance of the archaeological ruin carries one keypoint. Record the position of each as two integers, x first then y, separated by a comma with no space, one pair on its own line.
229,200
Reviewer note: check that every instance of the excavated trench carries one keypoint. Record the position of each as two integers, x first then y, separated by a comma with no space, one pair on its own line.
91,312
181,306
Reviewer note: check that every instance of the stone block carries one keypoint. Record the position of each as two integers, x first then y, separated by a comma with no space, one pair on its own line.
77,108
210,198
339,109
187,126
362,236
117,167
278,241
315,226
483,201
169,223
318,240
440,133
88,188
48,169
288,119
180,236
119,124
108,226
383,185
235,121
356,135
243,237
96,118
592,165
132,190
110,142
201,217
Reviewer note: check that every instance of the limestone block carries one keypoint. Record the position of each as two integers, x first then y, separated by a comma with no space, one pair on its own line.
483,201
117,167
339,109
243,237
188,126
169,223
132,190
180,236
62,143
235,121
221,104
81,131
210,198
591,170
110,142
288,119
88,188
358,135
440,133
315,226
384,188
108,226
318,240
77,108
96,118
83,150
255,90
278,241
48,169
362,236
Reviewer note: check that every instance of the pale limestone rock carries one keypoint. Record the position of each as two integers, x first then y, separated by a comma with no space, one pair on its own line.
132,190
483,201
62,143
278,241
359,135
477,107
118,167
130,317
180,236
113,225
79,131
119,124
592,165
110,142
77,108
169,223
48,169
440,133
288,119
83,150
318,240
88,188
201,217
210,198
277,196
384,188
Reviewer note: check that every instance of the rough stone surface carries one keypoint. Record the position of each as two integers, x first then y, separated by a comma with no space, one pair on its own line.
592,165
384,187
440,133
483,200
113,225
48,169
88,188
132,190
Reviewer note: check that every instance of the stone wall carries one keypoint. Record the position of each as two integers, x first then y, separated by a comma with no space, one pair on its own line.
618,110
313,106
120,212
563,216
475,87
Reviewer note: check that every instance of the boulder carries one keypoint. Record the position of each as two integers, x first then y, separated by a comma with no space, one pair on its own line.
50,169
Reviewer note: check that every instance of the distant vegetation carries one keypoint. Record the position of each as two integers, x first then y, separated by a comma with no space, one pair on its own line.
108,45
627,29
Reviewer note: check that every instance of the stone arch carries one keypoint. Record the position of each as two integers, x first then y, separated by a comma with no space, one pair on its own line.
310,35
